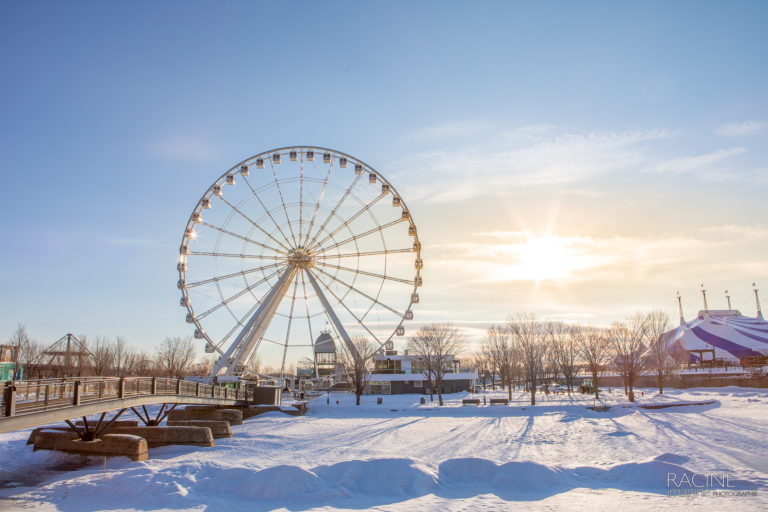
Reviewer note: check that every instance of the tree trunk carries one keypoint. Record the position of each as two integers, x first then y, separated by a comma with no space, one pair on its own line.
594,384
357,401
510,392
533,394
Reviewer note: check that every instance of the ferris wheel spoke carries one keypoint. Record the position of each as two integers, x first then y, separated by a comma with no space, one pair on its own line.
282,200
241,237
235,274
278,242
312,275
301,197
333,212
266,210
237,295
365,273
290,321
360,292
349,221
317,205
234,255
365,253
309,318
361,235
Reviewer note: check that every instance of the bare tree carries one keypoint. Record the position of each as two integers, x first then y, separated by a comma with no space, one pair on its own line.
499,341
481,361
357,367
25,350
175,356
564,350
528,335
121,355
103,357
594,351
438,345
626,342
662,357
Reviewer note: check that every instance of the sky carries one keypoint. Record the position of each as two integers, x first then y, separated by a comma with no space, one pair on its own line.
576,160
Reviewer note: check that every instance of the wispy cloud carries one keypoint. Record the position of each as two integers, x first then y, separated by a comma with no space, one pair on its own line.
740,129
521,157
694,163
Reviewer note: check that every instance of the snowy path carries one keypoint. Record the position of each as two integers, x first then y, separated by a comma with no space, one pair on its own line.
404,456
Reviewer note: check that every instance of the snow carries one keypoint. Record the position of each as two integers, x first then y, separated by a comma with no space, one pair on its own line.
401,455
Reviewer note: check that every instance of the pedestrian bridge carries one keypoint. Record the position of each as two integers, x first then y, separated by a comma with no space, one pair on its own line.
33,403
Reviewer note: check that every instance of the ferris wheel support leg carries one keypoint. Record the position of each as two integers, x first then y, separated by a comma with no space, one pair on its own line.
332,315
256,327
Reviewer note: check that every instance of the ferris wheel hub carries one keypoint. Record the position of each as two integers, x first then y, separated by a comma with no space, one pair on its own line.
301,257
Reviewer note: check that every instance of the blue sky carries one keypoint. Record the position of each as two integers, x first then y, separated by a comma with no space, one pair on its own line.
627,141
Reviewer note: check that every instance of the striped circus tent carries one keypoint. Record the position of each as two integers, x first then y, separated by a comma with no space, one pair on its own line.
720,334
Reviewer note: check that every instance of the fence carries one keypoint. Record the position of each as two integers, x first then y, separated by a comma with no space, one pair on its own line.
27,397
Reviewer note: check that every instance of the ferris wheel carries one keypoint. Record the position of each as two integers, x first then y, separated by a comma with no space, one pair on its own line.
291,242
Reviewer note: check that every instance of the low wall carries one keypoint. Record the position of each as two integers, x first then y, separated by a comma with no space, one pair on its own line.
219,429
686,381
203,412
164,436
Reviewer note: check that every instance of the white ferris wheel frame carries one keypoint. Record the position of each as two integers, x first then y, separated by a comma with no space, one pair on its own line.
295,259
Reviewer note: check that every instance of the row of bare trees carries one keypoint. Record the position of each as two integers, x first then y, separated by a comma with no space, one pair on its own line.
527,352
174,357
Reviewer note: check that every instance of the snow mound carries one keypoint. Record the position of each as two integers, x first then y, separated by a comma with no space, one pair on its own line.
377,477
276,483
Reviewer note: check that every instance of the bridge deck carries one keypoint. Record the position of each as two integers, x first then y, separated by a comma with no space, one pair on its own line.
34,403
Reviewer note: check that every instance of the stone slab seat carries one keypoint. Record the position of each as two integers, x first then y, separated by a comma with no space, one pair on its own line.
31,438
255,410
499,401
164,436
112,445
470,401
233,416
219,429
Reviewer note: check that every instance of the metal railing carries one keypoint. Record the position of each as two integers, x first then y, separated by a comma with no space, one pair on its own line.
33,396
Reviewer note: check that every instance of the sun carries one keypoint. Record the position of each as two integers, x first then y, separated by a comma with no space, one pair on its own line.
542,258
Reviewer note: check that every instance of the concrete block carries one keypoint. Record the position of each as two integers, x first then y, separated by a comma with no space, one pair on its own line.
255,410
163,436
219,429
112,445
31,438
233,416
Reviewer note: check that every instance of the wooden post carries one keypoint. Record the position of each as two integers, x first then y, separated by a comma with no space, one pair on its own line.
76,394
121,388
154,385
45,403
197,389
178,387
10,399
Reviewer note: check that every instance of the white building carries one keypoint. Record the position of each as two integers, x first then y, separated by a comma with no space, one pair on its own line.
395,374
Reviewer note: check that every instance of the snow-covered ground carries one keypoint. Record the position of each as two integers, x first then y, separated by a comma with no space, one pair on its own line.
401,455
